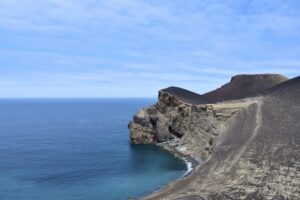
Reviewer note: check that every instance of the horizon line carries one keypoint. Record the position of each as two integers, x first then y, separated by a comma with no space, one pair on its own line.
77,97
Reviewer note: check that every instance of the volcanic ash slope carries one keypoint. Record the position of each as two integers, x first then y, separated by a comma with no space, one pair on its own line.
250,147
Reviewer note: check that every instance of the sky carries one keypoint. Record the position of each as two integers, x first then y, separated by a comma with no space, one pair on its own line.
133,48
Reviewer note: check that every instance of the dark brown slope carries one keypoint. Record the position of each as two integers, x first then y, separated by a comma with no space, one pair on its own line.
242,86
187,96
285,89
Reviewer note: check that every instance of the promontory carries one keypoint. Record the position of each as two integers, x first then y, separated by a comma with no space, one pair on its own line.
243,138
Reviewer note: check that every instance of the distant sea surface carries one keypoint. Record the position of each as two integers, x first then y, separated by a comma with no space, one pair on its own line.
71,149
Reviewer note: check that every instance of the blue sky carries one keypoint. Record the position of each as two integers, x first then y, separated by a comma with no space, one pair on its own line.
133,48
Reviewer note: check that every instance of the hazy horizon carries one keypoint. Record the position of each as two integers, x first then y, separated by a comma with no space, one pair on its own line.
74,98
95,97
132,49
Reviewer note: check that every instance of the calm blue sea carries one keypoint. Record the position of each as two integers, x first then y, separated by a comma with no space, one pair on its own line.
71,149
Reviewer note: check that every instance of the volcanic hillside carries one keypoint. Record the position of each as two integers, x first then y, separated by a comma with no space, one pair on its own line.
288,89
242,86
257,153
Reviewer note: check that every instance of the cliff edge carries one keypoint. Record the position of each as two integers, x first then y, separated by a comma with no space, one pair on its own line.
246,148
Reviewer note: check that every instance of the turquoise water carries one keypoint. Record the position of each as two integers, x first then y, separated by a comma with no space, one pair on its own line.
70,149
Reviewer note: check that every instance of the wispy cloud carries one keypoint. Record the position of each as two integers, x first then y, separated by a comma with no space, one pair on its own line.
119,45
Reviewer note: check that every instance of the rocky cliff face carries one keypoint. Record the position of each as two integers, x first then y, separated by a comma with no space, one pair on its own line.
248,148
186,119
190,127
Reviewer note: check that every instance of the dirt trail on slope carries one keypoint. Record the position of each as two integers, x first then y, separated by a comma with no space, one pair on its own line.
258,123
214,171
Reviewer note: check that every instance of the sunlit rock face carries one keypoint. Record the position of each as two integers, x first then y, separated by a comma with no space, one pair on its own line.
173,119
249,141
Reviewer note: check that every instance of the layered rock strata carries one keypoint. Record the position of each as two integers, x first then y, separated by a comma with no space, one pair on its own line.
190,128
248,148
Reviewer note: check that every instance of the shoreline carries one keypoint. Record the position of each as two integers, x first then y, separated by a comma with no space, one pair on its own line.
230,137
189,166
179,152
190,162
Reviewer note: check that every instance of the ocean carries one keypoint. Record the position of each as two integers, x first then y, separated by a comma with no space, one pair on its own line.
77,149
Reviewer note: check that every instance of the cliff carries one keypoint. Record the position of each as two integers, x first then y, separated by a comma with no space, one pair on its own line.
246,148
174,119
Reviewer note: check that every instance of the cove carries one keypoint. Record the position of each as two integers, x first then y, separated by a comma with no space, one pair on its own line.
77,149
